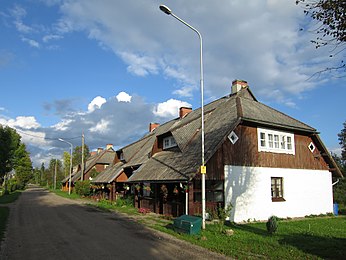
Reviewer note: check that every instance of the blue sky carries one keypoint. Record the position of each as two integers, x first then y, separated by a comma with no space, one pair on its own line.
109,68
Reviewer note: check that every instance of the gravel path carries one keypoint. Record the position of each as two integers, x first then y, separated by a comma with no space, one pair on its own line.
43,225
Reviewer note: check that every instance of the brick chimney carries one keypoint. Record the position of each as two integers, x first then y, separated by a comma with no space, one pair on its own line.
237,85
109,146
152,126
99,150
183,111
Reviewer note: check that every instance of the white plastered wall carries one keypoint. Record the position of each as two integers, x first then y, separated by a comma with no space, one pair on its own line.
306,192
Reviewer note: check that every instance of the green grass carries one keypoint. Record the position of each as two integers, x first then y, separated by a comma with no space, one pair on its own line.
65,194
304,239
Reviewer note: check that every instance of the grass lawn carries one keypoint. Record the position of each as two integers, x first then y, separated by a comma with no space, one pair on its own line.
311,238
65,194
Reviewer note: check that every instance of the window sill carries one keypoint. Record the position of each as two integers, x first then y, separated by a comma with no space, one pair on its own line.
278,199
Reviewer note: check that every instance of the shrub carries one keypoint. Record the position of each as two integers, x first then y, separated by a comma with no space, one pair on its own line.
128,201
223,213
272,224
82,188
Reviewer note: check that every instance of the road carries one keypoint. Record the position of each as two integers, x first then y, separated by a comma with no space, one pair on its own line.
43,225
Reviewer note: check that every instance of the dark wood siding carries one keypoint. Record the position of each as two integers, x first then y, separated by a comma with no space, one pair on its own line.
245,153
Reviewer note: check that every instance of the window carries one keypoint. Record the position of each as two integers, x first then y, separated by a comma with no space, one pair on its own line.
213,191
311,147
277,189
169,142
233,137
275,141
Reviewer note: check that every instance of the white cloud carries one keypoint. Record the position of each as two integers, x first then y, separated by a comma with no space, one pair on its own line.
50,37
97,102
255,40
31,42
169,108
123,97
36,138
139,65
25,122
100,127
62,125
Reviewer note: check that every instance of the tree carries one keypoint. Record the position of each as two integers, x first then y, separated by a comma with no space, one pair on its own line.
330,14
9,142
51,171
342,142
77,155
66,159
339,190
22,165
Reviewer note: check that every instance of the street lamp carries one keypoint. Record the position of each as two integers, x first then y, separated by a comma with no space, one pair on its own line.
69,182
168,11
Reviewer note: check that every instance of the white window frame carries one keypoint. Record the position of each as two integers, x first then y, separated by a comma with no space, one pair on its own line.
275,141
169,142
233,137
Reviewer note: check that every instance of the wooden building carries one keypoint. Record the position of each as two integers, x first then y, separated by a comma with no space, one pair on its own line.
96,163
258,159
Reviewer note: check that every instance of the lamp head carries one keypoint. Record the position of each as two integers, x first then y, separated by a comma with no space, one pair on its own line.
61,139
165,9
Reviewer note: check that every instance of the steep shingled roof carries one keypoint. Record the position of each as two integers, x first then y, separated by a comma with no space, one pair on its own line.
109,174
104,157
221,117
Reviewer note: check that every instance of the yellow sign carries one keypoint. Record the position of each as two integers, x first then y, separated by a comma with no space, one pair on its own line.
203,169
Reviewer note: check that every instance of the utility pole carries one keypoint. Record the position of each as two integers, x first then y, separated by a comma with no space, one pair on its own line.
82,170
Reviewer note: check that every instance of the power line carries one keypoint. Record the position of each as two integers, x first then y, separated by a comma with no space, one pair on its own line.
45,138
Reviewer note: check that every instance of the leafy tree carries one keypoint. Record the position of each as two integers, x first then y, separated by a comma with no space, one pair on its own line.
77,155
66,159
9,142
330,14
51,171
339,190
22,165
342,142
42,170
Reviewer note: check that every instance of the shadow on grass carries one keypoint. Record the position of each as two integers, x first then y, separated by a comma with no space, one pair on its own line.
324,247
248,228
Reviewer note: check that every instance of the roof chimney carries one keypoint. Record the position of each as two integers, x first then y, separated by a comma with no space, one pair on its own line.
99,150
109,146
152,126
237,85
183,111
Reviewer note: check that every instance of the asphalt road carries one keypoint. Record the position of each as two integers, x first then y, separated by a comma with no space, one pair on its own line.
43,225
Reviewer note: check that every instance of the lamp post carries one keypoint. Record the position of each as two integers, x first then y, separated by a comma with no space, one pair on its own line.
168,11
69,182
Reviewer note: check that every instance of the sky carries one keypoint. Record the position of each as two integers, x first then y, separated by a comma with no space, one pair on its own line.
108,68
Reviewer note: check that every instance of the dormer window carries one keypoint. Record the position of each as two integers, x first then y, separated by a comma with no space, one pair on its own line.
169,142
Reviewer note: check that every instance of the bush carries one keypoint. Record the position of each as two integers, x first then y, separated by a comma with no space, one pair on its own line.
272,224
82,188
128,201
223,213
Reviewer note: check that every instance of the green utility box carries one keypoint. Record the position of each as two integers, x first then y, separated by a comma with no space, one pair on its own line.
188,224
